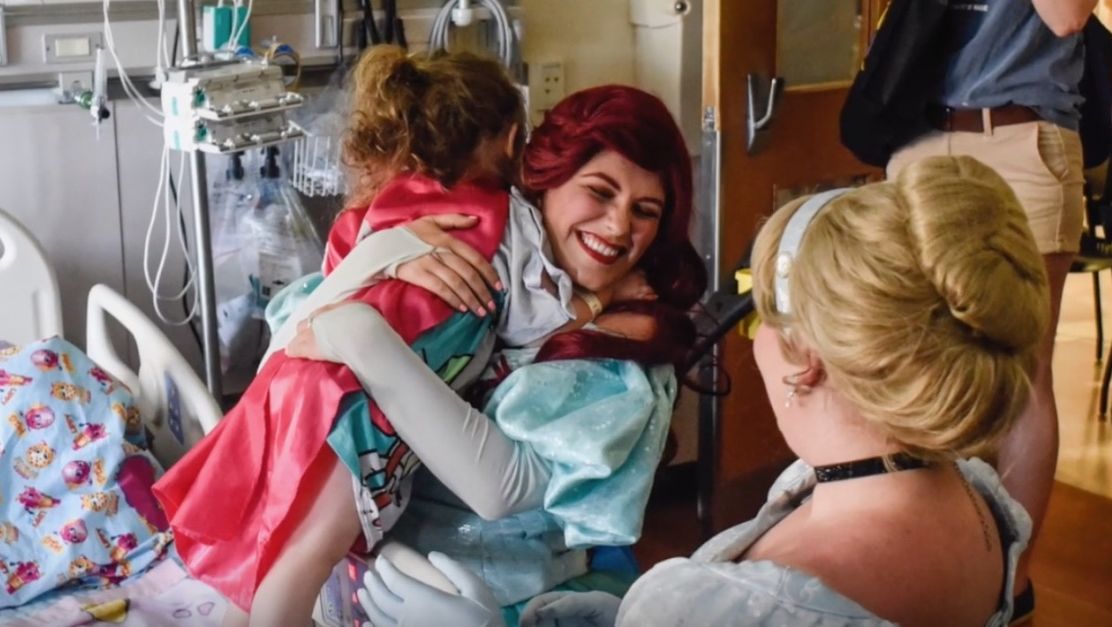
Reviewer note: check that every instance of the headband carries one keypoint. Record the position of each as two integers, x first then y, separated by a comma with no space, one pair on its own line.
790,240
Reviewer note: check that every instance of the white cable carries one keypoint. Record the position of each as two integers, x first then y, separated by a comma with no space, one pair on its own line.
507,39
237,33
129,88
162,166
162,190
191,272
153,284
230,45
167,42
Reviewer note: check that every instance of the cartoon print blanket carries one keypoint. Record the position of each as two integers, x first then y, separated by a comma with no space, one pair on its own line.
75,501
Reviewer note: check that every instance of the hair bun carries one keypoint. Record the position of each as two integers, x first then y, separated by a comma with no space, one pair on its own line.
407,74
972,245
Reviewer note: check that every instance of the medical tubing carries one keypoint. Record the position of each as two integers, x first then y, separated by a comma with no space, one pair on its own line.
162,194
234,41
507,40
129,87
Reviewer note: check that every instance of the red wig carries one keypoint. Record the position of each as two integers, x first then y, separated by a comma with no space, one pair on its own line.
638,126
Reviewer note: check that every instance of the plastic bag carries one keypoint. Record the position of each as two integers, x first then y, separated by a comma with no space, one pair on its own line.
280,243
263,239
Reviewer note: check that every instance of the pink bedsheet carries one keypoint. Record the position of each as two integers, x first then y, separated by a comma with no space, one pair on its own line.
164,596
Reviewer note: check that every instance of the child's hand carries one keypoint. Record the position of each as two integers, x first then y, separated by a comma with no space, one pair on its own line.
454,271
633,286
304,344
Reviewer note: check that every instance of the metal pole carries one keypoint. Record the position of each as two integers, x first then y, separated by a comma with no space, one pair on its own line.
188,29
205,282
710,407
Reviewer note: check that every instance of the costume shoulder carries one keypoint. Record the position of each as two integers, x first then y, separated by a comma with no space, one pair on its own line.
342,237
413,196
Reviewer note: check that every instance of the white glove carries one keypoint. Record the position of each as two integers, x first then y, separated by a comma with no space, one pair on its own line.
571,609
393,599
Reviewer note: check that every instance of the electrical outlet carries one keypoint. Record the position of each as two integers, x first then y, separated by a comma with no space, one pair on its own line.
548,88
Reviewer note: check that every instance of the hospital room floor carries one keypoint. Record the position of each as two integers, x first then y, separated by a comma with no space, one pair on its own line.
1072,567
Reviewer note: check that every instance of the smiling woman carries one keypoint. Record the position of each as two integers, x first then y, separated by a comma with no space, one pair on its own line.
615,196
606,216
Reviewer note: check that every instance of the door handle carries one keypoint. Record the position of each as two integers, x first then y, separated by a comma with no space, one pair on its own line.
757,122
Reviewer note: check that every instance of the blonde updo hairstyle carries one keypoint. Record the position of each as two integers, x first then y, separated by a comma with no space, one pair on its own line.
924,298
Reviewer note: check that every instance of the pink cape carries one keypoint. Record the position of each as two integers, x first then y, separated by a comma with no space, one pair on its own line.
235,499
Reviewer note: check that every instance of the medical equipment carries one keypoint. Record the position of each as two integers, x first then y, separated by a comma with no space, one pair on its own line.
393,30
137,41
219,23
227,108
316,166
220,109
461,14
279,244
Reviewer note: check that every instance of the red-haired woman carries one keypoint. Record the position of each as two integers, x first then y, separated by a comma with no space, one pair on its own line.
576,427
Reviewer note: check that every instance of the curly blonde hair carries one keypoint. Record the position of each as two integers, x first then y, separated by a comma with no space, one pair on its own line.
425,113
925,299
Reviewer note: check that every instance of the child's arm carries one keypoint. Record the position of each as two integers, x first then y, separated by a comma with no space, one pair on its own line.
454,271
458,273
494,475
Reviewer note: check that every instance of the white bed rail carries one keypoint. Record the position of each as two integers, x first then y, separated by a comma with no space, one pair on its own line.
30,304
172,399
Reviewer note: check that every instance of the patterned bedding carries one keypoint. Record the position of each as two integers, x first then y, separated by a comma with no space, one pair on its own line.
76,509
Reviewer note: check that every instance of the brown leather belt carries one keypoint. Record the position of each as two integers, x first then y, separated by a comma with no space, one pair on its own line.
972,120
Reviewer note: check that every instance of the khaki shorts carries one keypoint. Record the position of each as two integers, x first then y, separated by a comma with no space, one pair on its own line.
1041,161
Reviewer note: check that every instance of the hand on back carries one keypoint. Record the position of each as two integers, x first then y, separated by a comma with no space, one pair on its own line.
454,271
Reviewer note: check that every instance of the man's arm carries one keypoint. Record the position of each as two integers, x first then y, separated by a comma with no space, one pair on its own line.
1064,17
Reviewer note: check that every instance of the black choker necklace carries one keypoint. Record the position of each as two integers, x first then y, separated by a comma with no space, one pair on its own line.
867,467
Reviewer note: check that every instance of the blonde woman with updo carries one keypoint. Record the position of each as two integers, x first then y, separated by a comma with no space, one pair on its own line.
901,321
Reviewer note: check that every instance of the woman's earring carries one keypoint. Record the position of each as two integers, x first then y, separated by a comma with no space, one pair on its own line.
795,388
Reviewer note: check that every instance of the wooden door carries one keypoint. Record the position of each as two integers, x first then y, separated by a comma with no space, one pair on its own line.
815,47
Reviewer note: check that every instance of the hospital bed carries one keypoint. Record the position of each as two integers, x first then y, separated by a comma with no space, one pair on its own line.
172,401
170,397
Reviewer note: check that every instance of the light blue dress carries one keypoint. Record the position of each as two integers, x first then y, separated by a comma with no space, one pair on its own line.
600,425
711,588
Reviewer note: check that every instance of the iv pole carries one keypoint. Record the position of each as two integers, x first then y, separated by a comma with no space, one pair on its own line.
205,284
